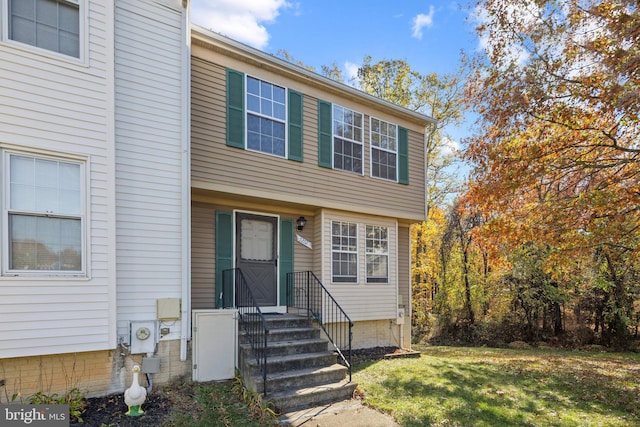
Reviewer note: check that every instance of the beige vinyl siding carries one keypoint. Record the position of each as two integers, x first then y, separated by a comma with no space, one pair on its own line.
149,184
53,106
203,256
404,281
303,256
215,166
404,268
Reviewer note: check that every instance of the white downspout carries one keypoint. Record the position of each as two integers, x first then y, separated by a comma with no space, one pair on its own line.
185,332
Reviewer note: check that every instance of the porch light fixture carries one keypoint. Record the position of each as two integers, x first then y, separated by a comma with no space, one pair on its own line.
302,221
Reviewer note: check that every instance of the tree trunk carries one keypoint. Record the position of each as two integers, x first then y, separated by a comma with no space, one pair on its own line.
467,288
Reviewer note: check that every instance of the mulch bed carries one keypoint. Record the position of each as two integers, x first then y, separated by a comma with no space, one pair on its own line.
368,354
110,411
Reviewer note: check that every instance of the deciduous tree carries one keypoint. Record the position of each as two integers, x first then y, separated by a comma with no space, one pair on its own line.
556,157
438,96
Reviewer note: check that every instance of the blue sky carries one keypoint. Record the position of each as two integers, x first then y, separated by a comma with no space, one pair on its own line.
429,35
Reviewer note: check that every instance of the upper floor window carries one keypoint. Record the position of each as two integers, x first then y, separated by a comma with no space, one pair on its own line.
384,148
341,142
266,117
53,25
263,117
347,139
344,252
43,215
377,254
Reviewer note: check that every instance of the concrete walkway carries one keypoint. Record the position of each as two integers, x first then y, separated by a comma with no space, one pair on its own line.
348,413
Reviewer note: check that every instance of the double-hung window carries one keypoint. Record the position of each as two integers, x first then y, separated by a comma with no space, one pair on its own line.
341,143
344,252
266,117
347,139
54,25
263,117
377,254
384,149
44,215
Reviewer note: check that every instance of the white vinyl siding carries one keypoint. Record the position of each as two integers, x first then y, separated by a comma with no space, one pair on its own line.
149,184
55,108
361,300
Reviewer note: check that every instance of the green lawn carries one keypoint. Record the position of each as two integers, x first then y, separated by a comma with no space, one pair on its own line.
459,386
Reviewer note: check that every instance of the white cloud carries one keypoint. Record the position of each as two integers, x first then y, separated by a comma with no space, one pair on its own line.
351,71
449,146
240,20
421,21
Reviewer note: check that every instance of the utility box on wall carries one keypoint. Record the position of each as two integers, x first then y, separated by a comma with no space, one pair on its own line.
150,365
168,308
143,336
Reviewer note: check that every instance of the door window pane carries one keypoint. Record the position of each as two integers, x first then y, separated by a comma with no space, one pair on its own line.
256,240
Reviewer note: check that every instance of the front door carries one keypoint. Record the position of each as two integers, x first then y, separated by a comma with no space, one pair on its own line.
257,255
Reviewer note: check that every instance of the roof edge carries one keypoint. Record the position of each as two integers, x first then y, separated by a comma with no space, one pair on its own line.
204,37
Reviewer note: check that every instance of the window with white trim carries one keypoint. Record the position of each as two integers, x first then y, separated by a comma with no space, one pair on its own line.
384,149
266,117
377,253
347,139
43,215
53,25
344,252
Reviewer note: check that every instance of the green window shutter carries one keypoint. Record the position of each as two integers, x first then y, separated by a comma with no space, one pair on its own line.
235,109
325,147
286,256
224,257
295,126
403,155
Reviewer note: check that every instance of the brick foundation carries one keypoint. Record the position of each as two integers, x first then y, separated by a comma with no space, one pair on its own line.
96,373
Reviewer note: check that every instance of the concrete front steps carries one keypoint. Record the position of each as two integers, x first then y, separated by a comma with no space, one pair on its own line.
301,371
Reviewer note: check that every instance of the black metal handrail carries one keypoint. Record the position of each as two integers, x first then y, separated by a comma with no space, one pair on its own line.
251,317
307,293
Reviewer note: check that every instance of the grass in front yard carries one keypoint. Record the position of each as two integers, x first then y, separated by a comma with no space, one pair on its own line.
221,404
456,386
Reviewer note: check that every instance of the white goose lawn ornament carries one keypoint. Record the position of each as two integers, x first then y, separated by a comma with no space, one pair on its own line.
135,395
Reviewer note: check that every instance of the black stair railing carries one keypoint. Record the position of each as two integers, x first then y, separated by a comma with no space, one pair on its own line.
307,293
252,320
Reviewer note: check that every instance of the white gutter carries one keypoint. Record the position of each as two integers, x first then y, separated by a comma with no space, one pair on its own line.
185,332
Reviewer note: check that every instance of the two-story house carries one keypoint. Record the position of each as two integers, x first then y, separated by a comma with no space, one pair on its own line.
273,144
